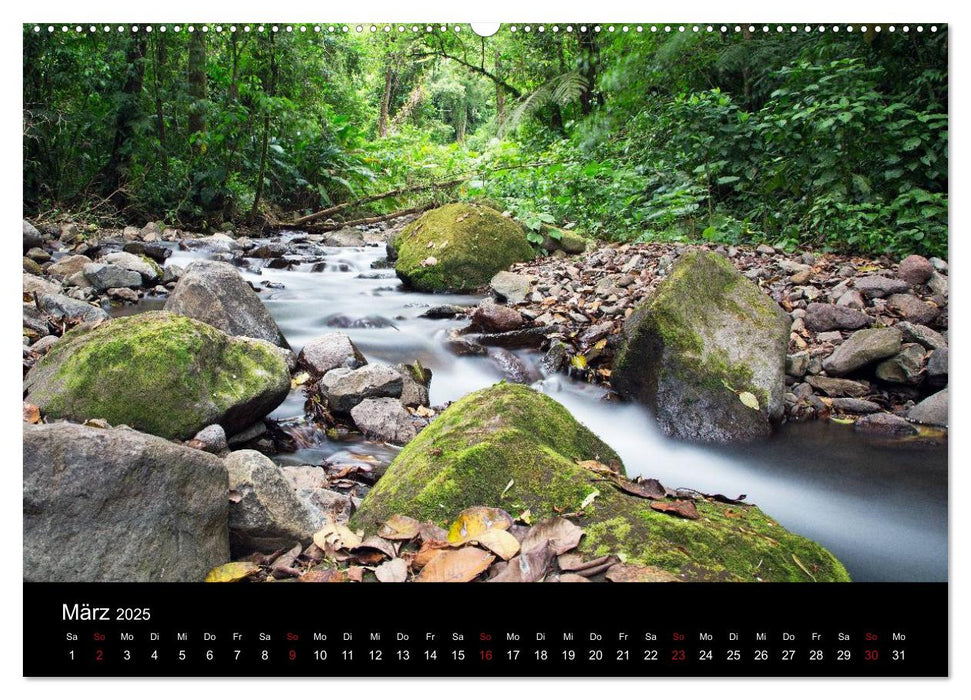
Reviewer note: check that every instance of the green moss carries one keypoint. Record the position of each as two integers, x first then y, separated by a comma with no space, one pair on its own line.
508,432
158,372
563,239
469,244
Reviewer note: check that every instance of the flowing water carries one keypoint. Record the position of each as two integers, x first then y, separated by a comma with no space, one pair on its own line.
882,510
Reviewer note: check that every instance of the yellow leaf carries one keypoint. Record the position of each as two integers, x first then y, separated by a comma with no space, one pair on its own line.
803,567
455,566
526,517
499,542
505,490
399,527
336,537
589,499
233,571
472,522
578,361
749,400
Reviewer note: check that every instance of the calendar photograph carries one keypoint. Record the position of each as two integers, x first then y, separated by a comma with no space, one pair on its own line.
516,303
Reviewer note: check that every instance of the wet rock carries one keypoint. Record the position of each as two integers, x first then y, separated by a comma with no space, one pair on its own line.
915,269
904,367
885,424
532,337
160,373
103,276
212,439
118,505
916,333
70,233
706,327
38,255
215,293
32,267
123,294
912,308
874,286
463,345
510,286
149,271
268,250
217,243
862,348
330,351
68,265
556,357
513,369
855,406
798,364
32,237
936,368
833,386
493,318
827,317
345,388
415,382
158,253
443,311
347,237
247,435
931,411
384,419
458,248
265,513
172,274
344,321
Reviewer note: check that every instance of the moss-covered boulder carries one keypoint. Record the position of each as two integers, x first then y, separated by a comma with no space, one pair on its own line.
570,242
707,353
511,447
458,248
160,373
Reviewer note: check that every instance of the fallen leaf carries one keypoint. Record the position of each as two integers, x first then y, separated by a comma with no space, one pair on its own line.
31,413
476,520
648,488
589,499
526,517
455,566
572,578
561,534
684,509
748,398
355,573
399,527
505,490
528,566
499,542
324,574
578,362
597,467
429,550
430,531
336,537
375,543
627,573
803,567
233,571
394,571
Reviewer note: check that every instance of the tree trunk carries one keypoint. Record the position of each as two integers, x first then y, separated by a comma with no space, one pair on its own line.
271,86
500,93
160,56
386,97
116,170
198,88
590,64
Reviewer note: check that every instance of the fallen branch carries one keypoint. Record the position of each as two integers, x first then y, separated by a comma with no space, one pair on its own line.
323,228
374,198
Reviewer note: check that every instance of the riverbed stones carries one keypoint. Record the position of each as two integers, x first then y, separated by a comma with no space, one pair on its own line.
797,364
265,513
937,368
119,505
932,410
212,439
834,386
916,333
884,424
848,405
415,383
161,373
904,367
458,248
32,237
385,420
862,348
912,309
489,317
345,388
705,336
34,284
149,270
215,293
103,276
310,484
510,287
828,317
874,286
915,269
68,265
62,306
330,351
511,447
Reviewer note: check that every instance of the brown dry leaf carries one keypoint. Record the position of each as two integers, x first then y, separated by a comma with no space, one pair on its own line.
355,573
394,571
429,531
683,509
528,566
499,542
375,543
561,533
399,527
624,573
597,467
570,562
324,574
429,550
233,571
455,566
31,413
648,488
572,578
473,521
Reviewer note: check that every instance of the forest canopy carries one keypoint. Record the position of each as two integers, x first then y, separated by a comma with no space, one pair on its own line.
833,140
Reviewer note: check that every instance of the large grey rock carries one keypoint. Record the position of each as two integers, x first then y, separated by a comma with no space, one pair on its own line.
61,306
265,513
705,336
937,368
916,333
149,271
68,265
834,386
904,367
879,286
862,348
915,269
103,276
215,293
346,388
490,317
884,424
827,317
119,505
160,373
931,411
32,237
38,285
218,243
330,351
855,406
415,382
510,286
385,420
310,484
912,308
347,237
